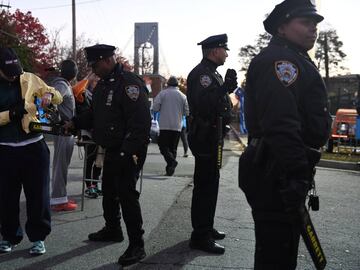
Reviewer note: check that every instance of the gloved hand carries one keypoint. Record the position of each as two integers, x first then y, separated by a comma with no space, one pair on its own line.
230,83
126,158
294,194
17,112
69,128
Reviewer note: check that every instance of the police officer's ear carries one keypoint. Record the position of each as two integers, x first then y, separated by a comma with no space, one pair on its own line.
281,30
111,60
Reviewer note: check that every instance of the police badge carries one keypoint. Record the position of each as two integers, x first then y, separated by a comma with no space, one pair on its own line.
205,80
132,91
286,72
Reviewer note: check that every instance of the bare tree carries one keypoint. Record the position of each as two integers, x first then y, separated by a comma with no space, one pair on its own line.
248,52
329,55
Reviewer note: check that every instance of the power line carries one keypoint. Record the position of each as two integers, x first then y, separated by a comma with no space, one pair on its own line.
9,34
164,60
128,42
5,6
68,5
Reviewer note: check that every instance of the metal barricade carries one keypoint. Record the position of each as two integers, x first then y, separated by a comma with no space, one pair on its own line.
87,155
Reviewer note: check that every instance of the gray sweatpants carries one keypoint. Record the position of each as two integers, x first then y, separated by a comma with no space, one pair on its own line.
63,150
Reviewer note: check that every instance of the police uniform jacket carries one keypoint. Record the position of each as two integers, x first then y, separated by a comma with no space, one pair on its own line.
207,100
286,105
119,115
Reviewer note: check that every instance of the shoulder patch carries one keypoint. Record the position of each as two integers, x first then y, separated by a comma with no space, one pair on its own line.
286,72
205,80
132,91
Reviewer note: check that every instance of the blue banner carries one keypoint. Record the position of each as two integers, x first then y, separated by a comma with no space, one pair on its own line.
357,135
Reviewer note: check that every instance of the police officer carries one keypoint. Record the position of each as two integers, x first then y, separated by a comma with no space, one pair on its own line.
208,100
288,121
120,120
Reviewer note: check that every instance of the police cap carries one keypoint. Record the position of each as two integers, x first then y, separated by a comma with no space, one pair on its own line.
288,10
98,52
10,63
217,41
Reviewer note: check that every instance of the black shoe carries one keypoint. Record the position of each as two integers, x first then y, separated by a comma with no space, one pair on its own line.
133,254
171,169
106,234
207,245
216,235
98,191
90,192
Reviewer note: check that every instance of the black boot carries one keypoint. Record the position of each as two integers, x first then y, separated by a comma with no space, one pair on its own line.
107,234
207,245
217,235
170,169
133,254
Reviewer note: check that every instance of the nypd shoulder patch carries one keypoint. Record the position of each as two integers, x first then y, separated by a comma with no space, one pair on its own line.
205,80
132,91
286,72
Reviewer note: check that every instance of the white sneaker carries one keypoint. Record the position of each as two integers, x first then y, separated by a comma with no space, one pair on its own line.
6,246
38,248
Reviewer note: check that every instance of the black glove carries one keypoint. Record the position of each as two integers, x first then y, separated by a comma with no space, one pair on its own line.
17,112
126,159
230,83
68,128
294,194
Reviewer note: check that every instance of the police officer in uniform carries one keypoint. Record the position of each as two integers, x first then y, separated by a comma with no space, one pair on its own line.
208,100
288,121
120,121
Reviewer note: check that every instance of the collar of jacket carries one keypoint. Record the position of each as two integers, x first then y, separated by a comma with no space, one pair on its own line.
287,44
114,73
207,62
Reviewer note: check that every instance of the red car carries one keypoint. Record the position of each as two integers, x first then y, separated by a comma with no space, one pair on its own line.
343,129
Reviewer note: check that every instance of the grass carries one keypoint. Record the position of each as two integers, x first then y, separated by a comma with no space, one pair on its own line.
343,154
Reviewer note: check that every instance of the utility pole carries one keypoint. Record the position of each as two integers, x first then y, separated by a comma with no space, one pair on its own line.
326,53
73,30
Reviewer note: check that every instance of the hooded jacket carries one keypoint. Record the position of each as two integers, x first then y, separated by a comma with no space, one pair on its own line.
31,86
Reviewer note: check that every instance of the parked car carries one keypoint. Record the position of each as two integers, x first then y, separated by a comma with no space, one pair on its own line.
343,129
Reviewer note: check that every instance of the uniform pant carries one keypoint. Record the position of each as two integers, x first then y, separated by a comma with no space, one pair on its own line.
63,150
168,143
276,245
205,193
119,190
277,233
183,137
25,167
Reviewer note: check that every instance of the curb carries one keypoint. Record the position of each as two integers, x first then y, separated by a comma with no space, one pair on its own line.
325,163
340,165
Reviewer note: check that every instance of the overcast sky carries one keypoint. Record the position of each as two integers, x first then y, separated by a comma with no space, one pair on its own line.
183,23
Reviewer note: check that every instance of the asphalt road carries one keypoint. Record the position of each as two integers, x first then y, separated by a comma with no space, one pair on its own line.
166,211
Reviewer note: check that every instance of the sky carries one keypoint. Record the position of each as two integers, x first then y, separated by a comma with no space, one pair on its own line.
184,23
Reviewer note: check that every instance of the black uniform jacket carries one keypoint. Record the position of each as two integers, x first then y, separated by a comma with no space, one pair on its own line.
119,115
207,99
286,104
